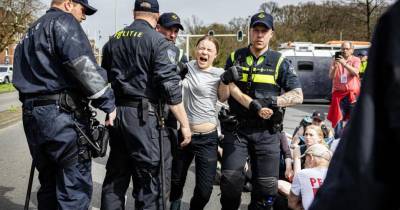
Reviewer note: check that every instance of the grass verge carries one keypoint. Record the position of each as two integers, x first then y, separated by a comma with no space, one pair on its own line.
4,88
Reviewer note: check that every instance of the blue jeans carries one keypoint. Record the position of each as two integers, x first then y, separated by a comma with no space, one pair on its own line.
203,149
65,180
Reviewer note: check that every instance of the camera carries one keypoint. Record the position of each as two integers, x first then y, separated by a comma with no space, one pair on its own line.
338,54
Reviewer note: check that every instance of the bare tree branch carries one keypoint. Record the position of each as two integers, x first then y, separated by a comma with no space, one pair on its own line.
15,16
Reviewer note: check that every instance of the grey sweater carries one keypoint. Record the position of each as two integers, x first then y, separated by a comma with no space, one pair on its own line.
200,93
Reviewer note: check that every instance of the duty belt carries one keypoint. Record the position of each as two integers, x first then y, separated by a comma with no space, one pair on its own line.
66,100
142,104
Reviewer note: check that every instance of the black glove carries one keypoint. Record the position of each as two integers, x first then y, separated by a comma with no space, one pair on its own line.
232,74
257,104
268,102
181,69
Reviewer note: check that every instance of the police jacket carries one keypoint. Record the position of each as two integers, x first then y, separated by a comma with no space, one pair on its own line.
181,60
263,77
55,56
141,63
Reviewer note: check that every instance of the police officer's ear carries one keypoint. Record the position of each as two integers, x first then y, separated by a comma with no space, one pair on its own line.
158,27
68,5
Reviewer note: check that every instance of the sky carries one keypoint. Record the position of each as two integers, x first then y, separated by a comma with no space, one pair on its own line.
115,14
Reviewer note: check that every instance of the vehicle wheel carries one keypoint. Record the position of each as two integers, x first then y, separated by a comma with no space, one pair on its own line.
6,80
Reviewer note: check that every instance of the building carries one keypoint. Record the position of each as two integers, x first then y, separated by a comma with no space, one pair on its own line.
7,56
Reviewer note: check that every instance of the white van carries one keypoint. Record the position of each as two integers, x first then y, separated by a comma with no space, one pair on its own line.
6,72
312,62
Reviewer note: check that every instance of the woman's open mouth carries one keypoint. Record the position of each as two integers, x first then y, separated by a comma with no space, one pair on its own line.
203,59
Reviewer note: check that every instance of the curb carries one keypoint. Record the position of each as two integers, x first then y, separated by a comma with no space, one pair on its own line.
8,117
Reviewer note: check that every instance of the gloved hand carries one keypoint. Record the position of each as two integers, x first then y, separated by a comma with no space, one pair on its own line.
181,69
232,74
257,104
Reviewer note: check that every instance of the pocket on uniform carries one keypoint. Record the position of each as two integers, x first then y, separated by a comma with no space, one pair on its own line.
50,121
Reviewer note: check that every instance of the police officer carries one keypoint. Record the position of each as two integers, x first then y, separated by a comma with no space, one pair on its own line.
169,25
141,72
262,75
56,73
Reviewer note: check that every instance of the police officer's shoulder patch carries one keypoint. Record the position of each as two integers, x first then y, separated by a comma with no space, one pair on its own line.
291,68
171,55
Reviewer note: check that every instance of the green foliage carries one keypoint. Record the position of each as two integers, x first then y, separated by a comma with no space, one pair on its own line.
6,88
307,22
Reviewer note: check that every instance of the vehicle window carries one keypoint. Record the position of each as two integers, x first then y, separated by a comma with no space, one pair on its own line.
3,69
305,65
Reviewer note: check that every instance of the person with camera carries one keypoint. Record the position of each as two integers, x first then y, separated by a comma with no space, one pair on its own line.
261,74
344,73
56,75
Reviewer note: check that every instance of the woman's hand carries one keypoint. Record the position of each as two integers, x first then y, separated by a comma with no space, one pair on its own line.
265,113
186,135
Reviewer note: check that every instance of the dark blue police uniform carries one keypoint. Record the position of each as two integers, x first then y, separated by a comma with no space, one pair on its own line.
263,77
140,63
55,73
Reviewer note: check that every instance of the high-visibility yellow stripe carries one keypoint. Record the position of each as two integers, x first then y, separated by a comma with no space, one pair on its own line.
249,60
233,57
278,65
260,60
260,78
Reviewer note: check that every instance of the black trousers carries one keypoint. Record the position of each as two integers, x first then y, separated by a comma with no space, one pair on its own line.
135,154
203,149
263,149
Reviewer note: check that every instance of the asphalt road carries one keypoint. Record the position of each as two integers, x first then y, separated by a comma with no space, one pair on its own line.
15,166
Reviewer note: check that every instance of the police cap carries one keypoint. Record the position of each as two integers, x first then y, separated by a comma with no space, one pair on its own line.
363,53
89,10
262,18
147,6
170,19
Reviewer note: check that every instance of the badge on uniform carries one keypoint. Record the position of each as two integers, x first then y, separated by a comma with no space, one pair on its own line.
291,68
171,56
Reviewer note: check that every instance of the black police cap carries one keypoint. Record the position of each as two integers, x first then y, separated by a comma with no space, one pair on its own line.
170,19
262,18
89,10
147,6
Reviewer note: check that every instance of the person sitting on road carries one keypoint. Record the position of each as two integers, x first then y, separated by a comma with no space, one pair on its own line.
312,135
306,182
318,119
299,130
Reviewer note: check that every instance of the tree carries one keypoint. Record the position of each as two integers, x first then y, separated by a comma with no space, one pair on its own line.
15,15
367,12
270,7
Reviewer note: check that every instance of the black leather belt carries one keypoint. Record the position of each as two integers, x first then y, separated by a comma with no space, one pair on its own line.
43,102
54,97
143,105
